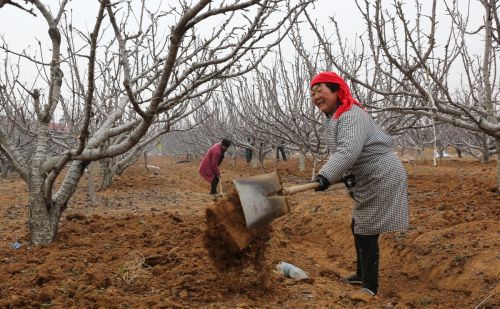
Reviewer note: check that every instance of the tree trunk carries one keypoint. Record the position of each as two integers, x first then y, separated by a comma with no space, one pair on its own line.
43,223
486,151
417,156
255,162
106,174
498,165
275,155
145,160
4,167
91,186
302,162
261,156
313,173
434,161
234,157
45,211
5,170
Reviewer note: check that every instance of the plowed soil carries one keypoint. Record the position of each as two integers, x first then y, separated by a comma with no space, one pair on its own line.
144,244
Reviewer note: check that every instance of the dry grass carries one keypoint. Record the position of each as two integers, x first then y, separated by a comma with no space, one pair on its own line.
132,268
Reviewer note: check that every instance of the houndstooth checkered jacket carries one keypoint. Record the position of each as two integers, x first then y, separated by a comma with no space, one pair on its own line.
359,146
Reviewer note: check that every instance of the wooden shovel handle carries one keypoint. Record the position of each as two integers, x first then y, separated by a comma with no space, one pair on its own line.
299,188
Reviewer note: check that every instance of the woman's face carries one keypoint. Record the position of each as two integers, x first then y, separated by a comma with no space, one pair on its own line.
324,98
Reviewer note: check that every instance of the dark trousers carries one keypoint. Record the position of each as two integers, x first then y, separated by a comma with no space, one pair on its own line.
282,151
213,185
367,259
248,154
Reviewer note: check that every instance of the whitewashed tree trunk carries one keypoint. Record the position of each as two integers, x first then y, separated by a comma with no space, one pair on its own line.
4,167
91,184
234,156
43,222
486,152
498,164
106,174
44,214
435,151
302,162
255,161
145,155
313,170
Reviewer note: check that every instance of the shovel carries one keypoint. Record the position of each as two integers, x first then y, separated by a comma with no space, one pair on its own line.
263,197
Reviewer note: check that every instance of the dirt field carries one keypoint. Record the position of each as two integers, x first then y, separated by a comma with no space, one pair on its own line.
142,245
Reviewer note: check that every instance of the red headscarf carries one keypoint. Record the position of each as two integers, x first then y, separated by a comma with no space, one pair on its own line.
343,94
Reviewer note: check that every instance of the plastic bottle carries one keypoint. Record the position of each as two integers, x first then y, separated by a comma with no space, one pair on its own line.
291,271
16,245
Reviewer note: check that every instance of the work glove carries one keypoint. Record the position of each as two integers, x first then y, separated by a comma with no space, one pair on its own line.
323,183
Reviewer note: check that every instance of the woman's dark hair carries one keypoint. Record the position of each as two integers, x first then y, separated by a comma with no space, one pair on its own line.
225,142
333,87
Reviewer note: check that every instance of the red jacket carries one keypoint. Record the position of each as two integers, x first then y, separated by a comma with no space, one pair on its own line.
209,166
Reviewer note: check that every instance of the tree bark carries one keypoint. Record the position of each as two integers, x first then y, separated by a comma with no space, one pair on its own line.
91,185
302,162
145,154
486,151
43,222
106,174
498,165
4,167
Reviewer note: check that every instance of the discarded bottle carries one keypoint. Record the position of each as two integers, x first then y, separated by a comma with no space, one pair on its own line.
16,245
291,271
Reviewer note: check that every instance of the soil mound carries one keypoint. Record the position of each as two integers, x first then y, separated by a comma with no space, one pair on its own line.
228,241
144,245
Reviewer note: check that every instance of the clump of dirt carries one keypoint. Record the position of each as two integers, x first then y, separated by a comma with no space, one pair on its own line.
230,245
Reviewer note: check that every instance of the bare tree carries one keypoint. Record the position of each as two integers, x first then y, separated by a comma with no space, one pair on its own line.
270,106
275,103
402,56
189,63
17,5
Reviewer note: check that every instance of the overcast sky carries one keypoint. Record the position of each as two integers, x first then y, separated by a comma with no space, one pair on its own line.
20,29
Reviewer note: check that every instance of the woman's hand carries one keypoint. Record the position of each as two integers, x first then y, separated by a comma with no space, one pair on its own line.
323,183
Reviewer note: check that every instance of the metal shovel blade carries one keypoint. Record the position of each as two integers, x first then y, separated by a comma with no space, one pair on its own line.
259,199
